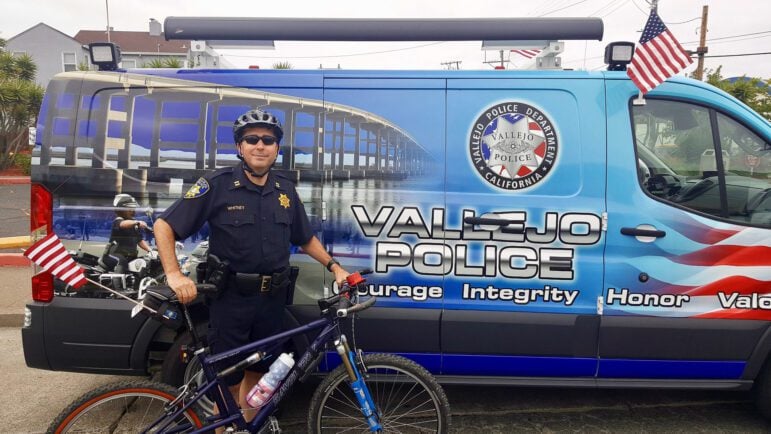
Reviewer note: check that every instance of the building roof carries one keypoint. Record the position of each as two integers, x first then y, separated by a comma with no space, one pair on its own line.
135,42
36,26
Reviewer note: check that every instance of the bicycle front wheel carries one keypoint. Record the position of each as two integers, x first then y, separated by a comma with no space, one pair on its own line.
124,407
407,397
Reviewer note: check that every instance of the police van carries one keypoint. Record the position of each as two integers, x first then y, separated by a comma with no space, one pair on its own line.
539,227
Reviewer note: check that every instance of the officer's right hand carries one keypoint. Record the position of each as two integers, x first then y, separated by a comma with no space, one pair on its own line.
182,286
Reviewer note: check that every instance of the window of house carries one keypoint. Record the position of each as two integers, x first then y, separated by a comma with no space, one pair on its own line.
697,158
18,53
128,63
70,62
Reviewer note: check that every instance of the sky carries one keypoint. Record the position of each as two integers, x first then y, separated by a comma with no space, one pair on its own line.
735,27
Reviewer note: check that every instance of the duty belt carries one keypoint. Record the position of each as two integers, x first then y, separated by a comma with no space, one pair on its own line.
249,284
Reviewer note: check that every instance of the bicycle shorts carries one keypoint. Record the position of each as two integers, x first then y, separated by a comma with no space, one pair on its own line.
236,320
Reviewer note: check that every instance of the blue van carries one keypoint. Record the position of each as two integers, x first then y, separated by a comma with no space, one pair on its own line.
524,227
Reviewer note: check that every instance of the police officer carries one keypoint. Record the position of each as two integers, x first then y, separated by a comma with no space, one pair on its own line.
125,235
126,231
254,215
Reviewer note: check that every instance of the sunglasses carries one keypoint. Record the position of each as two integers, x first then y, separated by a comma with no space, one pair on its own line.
254,139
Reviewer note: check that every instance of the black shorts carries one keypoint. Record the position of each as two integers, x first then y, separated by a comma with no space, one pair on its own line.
236,320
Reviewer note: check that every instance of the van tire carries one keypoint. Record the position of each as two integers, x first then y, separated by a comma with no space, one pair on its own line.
762,391
172,369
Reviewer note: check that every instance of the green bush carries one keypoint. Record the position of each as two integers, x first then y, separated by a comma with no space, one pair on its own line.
23,161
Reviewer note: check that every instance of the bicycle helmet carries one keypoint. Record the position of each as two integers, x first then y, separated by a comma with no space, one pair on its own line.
256,118
124,200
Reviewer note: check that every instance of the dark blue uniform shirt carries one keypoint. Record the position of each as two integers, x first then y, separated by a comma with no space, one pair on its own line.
251,227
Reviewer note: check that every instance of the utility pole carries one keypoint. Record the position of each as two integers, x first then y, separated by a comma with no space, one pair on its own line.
450,64
702,50
502,61
107,9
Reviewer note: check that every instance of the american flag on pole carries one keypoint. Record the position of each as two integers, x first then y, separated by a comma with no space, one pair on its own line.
658,57
526,53
51,254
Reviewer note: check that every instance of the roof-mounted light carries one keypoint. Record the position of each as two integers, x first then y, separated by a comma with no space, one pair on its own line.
618,55
105,55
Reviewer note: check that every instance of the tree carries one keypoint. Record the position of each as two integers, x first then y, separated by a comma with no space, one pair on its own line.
20,99
752,91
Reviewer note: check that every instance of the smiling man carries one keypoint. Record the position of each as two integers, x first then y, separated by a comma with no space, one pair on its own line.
254,215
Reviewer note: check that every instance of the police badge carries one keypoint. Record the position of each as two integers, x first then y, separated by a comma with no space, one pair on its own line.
513,145
283,200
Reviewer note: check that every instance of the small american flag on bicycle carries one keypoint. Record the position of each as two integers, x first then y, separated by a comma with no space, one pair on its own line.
658,57
51,254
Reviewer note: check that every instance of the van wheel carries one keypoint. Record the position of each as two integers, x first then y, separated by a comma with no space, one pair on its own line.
762,391
176,373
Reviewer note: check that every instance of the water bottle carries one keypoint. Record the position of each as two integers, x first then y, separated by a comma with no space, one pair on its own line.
263,390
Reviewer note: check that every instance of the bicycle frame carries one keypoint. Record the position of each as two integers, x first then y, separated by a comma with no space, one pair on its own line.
230,413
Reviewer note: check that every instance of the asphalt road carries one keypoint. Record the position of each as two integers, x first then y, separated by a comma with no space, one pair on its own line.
14,212
31,398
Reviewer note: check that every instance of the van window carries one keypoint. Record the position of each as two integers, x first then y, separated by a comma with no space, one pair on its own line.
678,162
748,173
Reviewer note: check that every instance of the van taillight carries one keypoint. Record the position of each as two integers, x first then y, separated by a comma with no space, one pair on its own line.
41,209
43,287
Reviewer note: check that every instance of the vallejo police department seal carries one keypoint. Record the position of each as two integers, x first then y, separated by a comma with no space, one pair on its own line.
513,145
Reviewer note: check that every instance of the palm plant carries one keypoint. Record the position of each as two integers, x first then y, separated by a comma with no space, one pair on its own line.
20,99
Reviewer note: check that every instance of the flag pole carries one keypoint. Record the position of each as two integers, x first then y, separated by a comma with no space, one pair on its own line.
122,296
640,100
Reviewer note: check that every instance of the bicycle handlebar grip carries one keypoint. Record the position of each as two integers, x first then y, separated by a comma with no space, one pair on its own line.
342,313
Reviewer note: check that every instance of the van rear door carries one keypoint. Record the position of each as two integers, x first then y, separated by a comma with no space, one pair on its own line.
526,182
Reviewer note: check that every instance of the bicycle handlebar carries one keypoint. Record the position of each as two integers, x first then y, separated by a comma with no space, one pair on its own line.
340,303
366,304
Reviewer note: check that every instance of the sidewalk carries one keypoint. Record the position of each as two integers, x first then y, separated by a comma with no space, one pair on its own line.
15,292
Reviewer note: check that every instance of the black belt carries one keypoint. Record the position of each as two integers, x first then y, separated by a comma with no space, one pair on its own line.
249,284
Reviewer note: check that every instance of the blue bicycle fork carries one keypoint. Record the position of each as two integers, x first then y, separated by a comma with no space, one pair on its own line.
358,385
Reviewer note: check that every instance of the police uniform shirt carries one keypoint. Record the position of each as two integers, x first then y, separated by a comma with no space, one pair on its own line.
126,238
251,227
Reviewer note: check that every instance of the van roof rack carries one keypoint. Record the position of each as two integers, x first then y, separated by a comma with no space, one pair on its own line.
381,29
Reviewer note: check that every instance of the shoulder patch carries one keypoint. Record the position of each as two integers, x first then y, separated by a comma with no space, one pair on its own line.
198,189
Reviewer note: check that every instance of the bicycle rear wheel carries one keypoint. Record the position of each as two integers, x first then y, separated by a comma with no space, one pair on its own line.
407,397
123,407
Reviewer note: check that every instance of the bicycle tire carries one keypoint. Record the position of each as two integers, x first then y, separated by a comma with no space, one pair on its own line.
407,397
115,408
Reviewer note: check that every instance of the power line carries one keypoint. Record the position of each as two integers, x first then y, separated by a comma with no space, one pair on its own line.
745,54
605,6
563,8
615,9
730,37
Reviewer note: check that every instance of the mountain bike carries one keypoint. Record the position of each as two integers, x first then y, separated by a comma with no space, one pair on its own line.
366,392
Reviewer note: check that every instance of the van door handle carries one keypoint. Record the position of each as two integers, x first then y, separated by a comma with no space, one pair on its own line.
636,232
486,221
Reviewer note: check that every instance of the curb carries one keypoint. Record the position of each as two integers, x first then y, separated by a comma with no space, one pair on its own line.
13,180
13,260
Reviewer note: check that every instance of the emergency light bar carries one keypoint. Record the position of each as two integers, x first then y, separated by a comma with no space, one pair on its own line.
378,29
